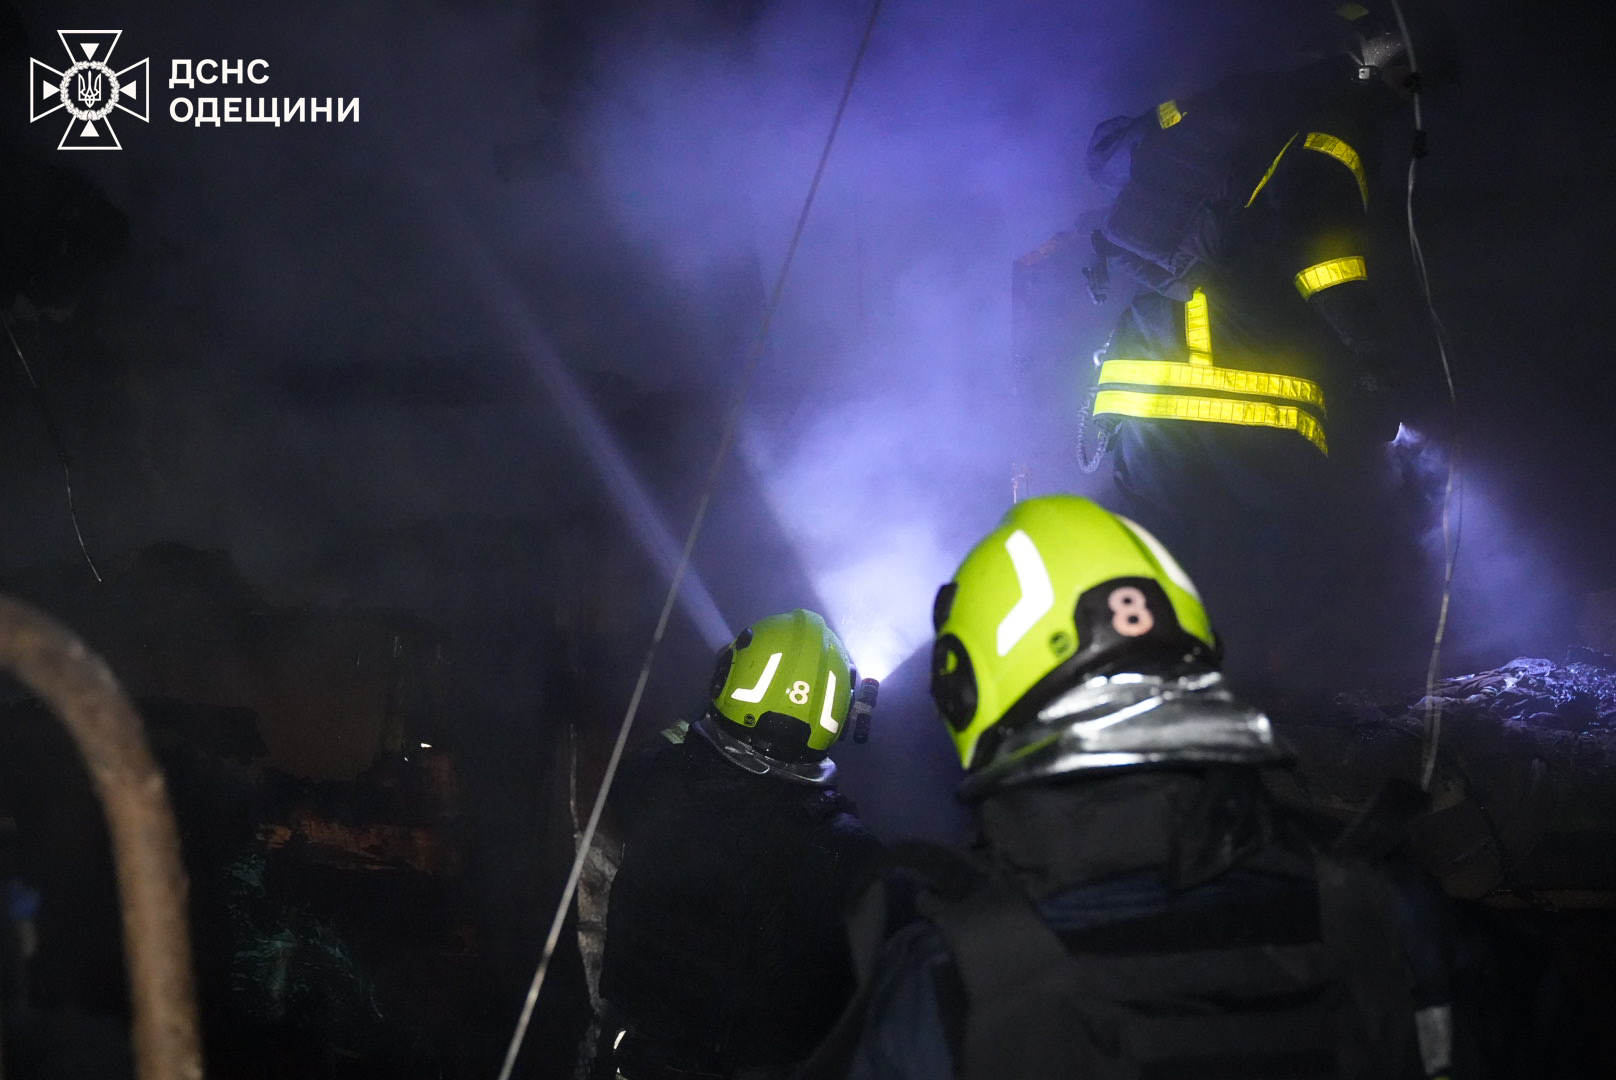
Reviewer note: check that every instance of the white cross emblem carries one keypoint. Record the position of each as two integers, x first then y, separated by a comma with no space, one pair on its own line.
89,90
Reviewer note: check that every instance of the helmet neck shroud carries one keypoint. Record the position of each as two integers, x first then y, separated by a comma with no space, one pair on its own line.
819,772
1183,714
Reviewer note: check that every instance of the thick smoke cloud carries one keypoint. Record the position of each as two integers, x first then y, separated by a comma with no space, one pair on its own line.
556,146
882,423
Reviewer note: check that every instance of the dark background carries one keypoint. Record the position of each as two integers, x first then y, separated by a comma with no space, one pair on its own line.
465,363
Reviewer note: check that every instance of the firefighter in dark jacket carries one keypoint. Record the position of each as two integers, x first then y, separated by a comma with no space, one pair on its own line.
724,948
1136,906
1246,390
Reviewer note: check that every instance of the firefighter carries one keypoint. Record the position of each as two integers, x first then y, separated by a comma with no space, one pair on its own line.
1136,904
1248,388
724,948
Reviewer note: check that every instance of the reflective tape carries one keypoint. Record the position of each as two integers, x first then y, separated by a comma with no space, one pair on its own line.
1198,328
1037,591
1167,114
826,720
1167,373
1270,173
1328,274
1324,144
1211,410
1346,155
755,694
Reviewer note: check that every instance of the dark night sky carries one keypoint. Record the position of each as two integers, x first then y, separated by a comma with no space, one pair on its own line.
352,355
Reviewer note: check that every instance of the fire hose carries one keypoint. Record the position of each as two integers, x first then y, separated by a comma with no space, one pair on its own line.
81,690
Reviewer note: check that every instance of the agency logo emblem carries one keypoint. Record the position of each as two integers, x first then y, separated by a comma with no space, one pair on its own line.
89,90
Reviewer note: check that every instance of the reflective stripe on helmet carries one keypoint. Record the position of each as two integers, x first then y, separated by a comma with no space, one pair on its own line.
1037,592
826,720
755,694
1175,573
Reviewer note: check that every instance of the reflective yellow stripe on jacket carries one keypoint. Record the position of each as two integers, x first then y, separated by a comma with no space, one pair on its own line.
1328,145
1150,389
1346,155
1330,273
1198,328
1166,373
1211,410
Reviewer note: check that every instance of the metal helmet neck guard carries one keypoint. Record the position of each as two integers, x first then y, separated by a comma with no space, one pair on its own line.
1130,719
818,773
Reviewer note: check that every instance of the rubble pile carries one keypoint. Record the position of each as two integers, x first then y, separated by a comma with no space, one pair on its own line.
1576,696
1522,803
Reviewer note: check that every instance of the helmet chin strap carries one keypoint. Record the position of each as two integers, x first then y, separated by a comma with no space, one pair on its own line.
744,755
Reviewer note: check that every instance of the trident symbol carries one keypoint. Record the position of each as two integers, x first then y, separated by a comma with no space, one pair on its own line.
90,90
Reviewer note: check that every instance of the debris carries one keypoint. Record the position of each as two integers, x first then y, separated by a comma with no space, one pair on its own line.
1523,801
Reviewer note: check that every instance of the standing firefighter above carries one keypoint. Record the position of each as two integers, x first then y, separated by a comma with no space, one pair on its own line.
1246,384
724,952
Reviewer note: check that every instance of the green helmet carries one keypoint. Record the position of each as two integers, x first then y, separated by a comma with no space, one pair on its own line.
1060,590
784,687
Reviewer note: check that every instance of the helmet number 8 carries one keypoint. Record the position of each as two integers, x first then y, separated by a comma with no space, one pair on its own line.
1130,613
799,692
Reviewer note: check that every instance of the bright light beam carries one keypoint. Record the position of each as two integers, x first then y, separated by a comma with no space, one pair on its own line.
875,581
864,599
512,309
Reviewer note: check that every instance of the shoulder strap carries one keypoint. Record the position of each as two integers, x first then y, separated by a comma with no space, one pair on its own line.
1015,972
1359,929
890,894
1393,935
1020,986
889,897
1366,870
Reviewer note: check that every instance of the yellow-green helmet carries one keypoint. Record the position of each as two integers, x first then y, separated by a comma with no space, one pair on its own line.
1060,590
784,686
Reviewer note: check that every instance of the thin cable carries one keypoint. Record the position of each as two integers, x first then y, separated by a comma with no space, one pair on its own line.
1452,498
731,423
1414,74
58,442
1453,490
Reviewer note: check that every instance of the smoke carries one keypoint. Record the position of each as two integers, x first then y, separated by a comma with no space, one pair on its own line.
560,147
881,421
1509,596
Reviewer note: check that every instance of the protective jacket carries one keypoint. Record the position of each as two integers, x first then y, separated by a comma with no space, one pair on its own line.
1162,924
724,942
1241,214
